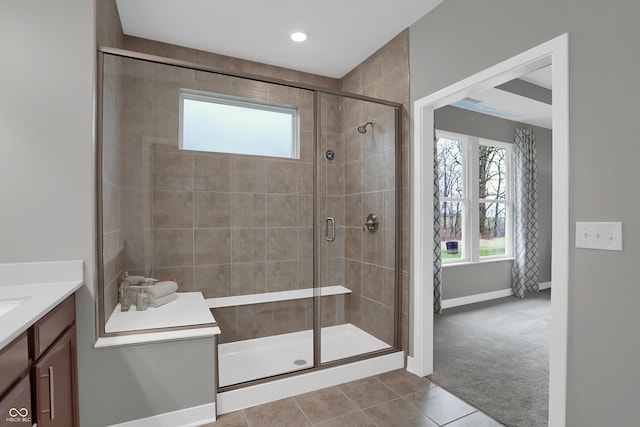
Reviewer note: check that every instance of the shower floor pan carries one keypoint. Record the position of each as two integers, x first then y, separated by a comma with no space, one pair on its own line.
252,359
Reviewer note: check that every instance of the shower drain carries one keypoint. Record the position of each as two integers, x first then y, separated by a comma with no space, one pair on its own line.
300,362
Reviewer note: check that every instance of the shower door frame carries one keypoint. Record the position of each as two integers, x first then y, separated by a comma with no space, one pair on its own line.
317,326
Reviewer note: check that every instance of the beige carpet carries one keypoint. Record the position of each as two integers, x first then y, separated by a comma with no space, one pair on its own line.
495,355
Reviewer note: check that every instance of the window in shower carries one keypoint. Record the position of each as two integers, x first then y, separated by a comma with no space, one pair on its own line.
229,124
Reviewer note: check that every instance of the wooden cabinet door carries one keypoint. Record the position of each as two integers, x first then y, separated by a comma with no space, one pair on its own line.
15,406
54,376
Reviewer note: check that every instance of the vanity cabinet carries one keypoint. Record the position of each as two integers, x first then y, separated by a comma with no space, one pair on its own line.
38,381
54,372
15,387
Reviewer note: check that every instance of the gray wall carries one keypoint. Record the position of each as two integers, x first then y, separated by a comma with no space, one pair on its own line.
603,93
471,279
46,185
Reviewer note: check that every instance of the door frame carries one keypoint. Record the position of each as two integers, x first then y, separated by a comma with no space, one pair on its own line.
555,52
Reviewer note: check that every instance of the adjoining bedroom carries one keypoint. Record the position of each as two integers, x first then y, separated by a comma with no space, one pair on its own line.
491,328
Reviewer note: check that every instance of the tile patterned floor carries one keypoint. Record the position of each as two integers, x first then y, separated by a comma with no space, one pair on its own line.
395,399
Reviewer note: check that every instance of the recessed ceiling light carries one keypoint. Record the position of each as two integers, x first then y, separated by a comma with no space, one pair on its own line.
298,36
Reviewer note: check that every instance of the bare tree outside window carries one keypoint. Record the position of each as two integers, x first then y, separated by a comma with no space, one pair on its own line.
484,166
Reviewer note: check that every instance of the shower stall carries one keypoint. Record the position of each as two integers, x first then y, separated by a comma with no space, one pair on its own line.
296,251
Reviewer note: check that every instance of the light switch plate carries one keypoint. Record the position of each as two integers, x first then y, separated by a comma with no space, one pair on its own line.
606,236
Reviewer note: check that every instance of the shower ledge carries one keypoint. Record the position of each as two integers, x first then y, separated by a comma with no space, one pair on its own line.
275,296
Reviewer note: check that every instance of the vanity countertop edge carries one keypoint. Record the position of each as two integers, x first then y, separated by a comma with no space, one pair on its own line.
34,289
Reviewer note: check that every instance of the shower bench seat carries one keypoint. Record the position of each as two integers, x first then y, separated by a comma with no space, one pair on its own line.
275,296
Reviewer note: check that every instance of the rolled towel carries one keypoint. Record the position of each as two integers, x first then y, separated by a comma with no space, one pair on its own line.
136,280
158,301
161,289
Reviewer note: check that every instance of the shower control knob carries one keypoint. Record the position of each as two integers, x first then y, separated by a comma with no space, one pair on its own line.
330,155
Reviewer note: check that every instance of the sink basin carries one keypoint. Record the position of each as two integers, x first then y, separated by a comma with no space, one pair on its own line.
6,305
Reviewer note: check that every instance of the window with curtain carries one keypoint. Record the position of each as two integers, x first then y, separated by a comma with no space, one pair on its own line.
475,186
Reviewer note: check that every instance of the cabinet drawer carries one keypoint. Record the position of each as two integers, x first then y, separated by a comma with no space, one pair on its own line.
51,326
15,407
14,362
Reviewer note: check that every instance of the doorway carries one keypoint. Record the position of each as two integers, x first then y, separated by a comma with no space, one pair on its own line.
554,53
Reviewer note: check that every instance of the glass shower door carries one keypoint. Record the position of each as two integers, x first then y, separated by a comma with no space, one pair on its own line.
356,216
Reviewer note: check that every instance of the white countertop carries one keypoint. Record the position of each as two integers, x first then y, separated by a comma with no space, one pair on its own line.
38,287
189,309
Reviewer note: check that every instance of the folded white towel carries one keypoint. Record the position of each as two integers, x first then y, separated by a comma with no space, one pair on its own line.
136,280
157,302
161,289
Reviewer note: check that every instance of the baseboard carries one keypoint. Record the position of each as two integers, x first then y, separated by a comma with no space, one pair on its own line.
189,417
455,302
544,285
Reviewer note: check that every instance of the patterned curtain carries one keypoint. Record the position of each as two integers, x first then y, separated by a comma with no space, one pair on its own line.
525,208
437,256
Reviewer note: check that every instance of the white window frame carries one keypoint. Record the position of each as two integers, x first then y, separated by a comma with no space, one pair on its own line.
471,199
236,101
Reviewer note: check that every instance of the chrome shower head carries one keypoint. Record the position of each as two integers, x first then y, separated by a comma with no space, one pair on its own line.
363,129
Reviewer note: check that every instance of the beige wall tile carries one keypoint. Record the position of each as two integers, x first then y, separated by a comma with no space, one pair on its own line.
248,210
248,245
282,276
172,171
248,175
212,172
172,209
353,243
352,177
212,246
213,280
335,175
289,316
389,247
282,210
305,273
183,276
372,282
282,177
305,243
305,210
166,96
254,321
247,278
173,248
373,173
353,211
282,244
166,127
373,247
212,210
226,318
353,275
305,178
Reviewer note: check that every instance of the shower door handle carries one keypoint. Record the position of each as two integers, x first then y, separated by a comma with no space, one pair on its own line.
330,229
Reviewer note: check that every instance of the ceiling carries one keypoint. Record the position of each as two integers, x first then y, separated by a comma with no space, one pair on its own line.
514,106
341,34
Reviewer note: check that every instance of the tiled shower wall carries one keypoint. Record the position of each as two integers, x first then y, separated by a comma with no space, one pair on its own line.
112,233
384,75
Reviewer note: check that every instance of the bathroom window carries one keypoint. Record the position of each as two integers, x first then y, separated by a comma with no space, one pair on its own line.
226,124
474,177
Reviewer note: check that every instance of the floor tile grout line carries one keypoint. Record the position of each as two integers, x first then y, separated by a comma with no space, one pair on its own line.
246,419
295,402
464,416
